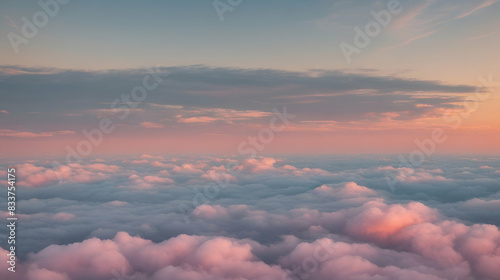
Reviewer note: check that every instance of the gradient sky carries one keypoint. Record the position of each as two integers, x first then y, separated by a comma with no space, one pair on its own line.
387,159
225,77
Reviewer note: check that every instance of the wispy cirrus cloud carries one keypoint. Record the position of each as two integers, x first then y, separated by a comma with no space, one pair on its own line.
411,40
479,6
424,18
477,37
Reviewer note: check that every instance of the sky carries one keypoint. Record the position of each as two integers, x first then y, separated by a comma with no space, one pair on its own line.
430,64
251,139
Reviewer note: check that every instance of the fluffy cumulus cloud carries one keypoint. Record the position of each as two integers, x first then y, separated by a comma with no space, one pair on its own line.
181,257
204,217
350,189
38,176
415,175
148,181
405,242
254,165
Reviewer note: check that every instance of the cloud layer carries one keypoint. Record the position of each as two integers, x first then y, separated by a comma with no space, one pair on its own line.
154,217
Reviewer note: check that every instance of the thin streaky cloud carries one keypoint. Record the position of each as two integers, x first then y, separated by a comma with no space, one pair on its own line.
11,22
485,4
411,40
27,134
478,7
151,125
481,36
404,20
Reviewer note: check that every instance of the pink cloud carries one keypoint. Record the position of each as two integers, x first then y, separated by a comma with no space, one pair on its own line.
151,125
63,217
24,134
219,174
186,256
307,171
326,259
146,156
187,168
378,221
410,241
117,203
210,212
90,259
210,115
410,175
203,119
149,181
142,161
45,274
254,165
350,189
157,180
99,167
161,164
38,176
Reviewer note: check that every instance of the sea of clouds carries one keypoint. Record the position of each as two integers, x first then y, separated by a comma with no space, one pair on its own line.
283,217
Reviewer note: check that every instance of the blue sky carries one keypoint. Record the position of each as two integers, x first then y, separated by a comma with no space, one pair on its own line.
292,35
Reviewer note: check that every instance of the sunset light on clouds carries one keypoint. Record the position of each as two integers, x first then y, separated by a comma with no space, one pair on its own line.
256,140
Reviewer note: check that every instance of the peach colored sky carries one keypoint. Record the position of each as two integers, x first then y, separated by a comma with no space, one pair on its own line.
425,65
